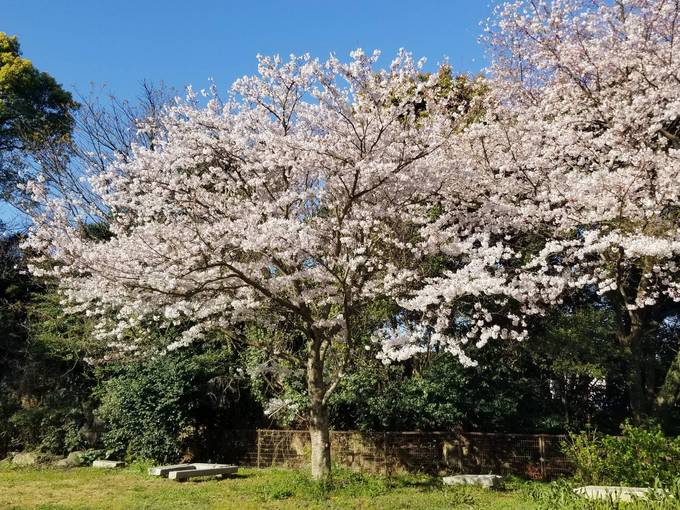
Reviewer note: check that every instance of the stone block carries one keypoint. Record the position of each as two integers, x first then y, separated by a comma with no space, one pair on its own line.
27,459
63,463
108,464
614,493
166,470
74,459
486,481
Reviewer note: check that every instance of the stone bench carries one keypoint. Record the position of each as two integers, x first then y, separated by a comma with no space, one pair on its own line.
183,472
165,470
486,481
202,470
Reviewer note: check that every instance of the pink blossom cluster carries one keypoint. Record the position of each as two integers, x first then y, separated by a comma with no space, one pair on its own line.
577,158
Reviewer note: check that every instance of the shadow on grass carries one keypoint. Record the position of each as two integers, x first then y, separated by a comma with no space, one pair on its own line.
239,476
208,478
430,483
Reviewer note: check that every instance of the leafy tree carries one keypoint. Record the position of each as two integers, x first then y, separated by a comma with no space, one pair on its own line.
577,350
35,113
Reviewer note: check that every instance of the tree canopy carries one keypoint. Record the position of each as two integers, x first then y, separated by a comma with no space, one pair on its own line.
35,111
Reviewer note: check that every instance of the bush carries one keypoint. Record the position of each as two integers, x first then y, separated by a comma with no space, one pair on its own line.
147,408
9,404
435,395
640,457
174,406
49,430
375,397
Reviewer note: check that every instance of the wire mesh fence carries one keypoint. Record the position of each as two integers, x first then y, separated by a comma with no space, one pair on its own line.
533,456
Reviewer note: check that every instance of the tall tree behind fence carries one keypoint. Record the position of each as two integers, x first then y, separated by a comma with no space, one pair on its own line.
533,456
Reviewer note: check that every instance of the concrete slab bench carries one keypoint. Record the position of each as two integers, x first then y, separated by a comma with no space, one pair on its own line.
165,470
486,481
202,470
108,464
613,492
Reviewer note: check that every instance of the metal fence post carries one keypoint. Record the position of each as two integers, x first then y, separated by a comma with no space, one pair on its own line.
258,447
541,452
385,454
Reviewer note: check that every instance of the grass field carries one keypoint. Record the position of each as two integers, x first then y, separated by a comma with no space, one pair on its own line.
131,488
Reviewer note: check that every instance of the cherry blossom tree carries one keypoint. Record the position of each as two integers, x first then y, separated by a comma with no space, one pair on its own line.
297,200
578,154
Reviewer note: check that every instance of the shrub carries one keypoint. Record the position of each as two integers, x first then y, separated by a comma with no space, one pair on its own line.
9,404
146,409
641,456
435,395
49,430
174,406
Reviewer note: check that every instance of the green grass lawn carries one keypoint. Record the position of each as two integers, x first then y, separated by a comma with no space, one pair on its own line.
131,488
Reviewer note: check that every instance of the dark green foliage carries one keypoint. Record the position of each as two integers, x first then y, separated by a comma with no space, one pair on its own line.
641,457
147,409
552,382
376,397
160,408
53,427
54,333
9,404
172,406
46,386
439,395
578,352
13,290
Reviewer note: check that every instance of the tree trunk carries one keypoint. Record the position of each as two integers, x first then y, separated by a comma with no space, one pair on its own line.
630,337
318,414
650,369
321,443
635,381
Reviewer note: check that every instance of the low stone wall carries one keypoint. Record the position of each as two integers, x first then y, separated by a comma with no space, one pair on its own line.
532,456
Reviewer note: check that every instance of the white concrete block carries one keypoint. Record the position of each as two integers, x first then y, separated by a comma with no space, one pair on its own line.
108,464
486,481
613,492
165,470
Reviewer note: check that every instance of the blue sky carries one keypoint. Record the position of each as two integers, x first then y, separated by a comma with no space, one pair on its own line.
120,43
